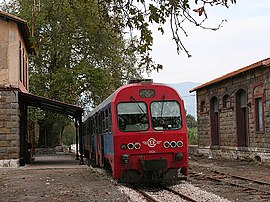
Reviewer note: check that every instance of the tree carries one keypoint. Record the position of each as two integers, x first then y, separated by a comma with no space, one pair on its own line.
78,53
192,129
136,16
83,52
79,58
191,121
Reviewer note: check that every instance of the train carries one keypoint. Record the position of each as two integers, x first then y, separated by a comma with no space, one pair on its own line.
139,133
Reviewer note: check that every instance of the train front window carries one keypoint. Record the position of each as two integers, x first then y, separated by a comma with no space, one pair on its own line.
132,116
166,115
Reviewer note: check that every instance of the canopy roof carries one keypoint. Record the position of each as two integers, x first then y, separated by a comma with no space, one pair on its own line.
51,105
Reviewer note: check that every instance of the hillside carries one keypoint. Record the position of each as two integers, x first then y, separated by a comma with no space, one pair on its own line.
189,98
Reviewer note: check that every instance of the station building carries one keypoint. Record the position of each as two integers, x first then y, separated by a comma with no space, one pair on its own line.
233,113
15,98
15,47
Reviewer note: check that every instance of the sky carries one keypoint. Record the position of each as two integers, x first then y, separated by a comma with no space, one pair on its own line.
243,40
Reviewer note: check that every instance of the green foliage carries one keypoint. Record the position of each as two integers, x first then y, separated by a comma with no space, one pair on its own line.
79,56
193,136
191,121
83,52
138,15
69,135
80,59
118,17
51,127
192,129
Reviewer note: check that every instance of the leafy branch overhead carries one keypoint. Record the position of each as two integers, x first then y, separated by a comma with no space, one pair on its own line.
138,15
86,49
78,41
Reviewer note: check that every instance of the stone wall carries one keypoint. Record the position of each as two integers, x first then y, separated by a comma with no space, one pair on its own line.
227,115
9,129
234,153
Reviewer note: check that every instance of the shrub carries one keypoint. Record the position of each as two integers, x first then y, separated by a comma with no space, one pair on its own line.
193,135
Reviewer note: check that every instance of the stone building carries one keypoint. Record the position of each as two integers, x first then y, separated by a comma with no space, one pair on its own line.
15,47
233,113
14,96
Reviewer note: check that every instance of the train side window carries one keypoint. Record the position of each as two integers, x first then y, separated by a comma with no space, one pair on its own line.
97,124
91,126
94,125
103,122
106,120
110,120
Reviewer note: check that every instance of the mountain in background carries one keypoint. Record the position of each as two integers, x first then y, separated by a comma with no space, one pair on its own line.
189,98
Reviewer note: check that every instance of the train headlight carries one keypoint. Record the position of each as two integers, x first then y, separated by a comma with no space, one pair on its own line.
137,145
125,158
123,146
179,144
130,146
179,156
166,144
173,144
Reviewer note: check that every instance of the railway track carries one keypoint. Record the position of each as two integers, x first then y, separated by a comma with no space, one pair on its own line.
161,193
248,185
240,182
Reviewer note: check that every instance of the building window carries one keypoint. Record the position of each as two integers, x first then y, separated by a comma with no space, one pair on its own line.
23,67
26,73
203,107
226,101
259,114
20,60
258,95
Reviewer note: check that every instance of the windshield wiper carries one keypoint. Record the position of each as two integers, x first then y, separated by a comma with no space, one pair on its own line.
162,105
132,98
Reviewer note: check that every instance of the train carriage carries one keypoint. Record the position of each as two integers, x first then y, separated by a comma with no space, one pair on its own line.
140,133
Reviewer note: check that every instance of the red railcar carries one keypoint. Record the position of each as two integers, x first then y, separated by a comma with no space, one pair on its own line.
140,133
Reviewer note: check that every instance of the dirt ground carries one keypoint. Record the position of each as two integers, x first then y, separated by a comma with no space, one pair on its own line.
56,179
61,178
204,166
243,167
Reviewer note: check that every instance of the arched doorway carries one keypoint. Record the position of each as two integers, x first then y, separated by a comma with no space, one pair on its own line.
241,118
214,121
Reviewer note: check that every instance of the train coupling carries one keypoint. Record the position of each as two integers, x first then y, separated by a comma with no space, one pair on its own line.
125,158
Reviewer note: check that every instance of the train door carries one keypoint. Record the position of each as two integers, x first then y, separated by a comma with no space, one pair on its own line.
241,118
97,139
92,142
84,134
214,119
99,149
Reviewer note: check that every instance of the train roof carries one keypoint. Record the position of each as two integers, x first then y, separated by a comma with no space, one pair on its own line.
114,94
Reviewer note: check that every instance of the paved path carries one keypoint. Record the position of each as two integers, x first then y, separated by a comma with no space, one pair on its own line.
58,160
